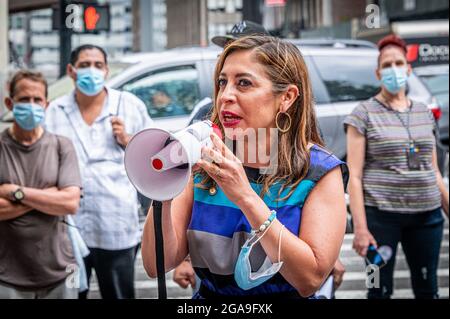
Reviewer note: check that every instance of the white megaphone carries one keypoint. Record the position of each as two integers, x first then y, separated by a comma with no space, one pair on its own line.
159,163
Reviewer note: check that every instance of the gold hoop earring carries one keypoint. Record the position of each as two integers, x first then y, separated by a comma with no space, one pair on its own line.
278,126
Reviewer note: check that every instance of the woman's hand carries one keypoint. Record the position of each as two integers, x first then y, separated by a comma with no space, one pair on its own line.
227,170
362,240
338,273
184,275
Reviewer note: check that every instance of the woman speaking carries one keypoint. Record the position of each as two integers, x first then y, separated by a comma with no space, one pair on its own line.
253,227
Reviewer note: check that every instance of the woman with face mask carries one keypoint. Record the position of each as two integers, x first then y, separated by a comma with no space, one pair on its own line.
396,189
267,217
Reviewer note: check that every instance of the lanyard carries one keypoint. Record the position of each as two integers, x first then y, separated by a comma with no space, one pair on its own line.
405,124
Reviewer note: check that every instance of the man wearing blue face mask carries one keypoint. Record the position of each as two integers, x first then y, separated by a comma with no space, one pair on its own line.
100,121
39,184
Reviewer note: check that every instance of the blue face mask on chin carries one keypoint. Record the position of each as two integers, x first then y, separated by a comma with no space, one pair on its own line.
28,115
90,81
243,275
394,79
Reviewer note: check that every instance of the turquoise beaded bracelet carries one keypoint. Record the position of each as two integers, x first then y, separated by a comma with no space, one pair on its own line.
263,227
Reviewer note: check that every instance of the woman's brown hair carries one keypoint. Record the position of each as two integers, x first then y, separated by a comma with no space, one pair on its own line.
284,65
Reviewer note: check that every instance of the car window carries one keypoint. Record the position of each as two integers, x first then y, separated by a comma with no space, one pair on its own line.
417,90
438,84
348,78
167,92
319,90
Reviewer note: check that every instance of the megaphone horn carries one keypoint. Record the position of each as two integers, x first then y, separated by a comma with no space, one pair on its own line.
158,163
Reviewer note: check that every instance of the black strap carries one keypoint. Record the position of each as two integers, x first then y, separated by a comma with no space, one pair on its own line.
159,249
405,125
118,105
117,115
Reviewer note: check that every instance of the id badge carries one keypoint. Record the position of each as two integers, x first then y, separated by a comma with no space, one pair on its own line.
413,158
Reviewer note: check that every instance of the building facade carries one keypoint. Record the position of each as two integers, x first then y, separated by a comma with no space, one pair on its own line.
35,44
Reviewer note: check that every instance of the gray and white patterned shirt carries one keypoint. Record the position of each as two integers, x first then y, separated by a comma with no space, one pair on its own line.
388,183
108,214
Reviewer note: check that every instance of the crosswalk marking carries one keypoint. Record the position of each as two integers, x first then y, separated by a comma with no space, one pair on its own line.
355,259
348,247
398,294
397,274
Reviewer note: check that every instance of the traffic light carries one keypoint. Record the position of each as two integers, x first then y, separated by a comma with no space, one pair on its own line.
83,18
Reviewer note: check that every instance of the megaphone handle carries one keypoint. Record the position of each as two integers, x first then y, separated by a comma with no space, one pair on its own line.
159,248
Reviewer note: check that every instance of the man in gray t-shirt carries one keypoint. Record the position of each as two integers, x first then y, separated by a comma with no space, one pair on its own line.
39,184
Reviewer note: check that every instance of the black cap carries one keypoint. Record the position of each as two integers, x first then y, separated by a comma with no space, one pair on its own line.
240,29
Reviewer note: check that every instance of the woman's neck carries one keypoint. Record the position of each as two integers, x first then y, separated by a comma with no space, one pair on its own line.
26,138
262,154
398,102
259,151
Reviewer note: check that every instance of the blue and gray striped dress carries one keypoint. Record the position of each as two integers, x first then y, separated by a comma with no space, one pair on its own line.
218,229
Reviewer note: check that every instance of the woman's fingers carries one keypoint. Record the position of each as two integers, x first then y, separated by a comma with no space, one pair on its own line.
211,169
222,148
338,274
373,241
192,280
358,246
215,156
364,249
205,165
358,250
211,155
218,161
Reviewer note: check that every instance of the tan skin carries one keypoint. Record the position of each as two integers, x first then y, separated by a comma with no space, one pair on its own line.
91,106
51,201
184,275
308,258
356,145
261,108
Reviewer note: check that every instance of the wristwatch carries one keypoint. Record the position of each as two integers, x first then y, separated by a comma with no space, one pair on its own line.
18,195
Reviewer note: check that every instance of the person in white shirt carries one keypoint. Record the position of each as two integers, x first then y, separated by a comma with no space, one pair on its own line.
100,122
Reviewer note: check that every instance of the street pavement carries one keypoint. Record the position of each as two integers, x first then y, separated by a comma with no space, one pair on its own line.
353,286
